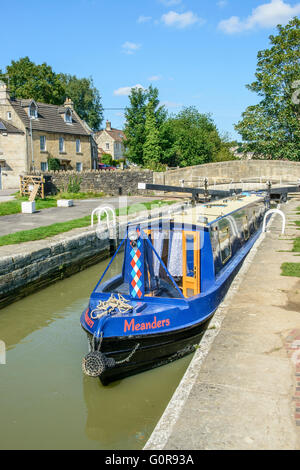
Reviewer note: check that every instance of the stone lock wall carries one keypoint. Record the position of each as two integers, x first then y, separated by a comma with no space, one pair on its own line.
111,182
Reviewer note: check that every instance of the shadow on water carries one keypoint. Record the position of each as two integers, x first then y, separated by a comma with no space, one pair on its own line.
46,401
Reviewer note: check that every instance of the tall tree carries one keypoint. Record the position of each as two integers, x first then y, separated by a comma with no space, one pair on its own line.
86,99
193,138
29,80
135,115
152,152
271,128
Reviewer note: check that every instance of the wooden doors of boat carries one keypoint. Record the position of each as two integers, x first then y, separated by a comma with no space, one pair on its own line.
191,263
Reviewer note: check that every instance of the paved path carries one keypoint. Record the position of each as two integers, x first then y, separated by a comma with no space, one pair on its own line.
81,208
242,389
6,194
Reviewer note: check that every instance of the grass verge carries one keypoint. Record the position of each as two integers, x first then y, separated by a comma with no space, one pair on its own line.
293,269
48,231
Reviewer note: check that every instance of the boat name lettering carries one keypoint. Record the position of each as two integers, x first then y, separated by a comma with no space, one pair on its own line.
88,320
132,326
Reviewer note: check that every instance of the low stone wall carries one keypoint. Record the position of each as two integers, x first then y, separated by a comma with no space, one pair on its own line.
236,170
49,262
111,182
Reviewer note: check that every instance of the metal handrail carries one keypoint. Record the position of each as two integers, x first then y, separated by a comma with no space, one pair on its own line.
99,211
272,211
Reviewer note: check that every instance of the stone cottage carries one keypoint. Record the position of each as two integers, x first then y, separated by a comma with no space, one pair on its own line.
32,132
111,141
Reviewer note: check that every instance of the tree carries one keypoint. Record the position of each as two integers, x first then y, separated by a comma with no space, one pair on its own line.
270,129
193,138
28,80
152,152
86,99
40,82
135,127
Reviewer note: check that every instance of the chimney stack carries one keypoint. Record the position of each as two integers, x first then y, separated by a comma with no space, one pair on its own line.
69,103
4,93
108,126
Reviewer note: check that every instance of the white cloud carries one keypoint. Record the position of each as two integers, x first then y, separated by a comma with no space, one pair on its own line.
181,20
222,3
169,3
266,15
154,78
144,19
126,90
130,47
171,104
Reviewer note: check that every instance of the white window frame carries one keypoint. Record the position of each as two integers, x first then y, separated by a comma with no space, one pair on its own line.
35,114
78,146
61,148
44,163
44,147
107,146
79,163
9,115
68,116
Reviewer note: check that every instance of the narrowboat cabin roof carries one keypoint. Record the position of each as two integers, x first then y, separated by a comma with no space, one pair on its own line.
203,215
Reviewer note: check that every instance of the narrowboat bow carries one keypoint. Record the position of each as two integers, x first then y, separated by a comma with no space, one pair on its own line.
159,292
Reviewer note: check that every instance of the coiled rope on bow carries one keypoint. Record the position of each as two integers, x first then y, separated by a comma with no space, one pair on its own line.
113,304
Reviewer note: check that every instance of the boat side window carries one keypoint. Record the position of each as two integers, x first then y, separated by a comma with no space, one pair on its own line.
224,243
246,227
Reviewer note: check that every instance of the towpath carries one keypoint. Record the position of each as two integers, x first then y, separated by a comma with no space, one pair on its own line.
242,388
81,208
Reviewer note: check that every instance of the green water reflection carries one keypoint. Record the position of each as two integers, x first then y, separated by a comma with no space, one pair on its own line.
45,400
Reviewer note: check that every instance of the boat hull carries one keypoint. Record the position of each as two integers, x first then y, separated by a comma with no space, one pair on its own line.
148,351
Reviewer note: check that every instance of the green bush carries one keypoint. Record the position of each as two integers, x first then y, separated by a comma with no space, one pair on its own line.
74,184
106,159
53,164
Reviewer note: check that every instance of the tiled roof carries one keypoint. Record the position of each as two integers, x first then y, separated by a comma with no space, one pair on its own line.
9,128
50,118
116,134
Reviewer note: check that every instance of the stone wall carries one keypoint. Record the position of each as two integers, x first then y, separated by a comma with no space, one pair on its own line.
232,170
48,262
111,182
13,151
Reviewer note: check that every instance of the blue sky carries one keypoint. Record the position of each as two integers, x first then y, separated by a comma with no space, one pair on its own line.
197,52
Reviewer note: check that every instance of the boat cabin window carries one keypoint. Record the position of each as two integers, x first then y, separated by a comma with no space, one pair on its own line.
224,242
246,227
166,263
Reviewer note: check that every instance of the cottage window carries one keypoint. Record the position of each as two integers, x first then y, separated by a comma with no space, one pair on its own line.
9,115
68,116
78,166
61,144
107,145
33,111
78,146
42,143
44,166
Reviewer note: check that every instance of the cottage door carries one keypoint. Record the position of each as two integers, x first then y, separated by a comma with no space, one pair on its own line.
191,263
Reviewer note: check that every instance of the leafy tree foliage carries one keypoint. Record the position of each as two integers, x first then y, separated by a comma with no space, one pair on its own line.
271,128
152,152
28,80
40,82
135,127
192,138
86,99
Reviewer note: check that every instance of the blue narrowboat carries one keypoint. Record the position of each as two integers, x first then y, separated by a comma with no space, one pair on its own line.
160,290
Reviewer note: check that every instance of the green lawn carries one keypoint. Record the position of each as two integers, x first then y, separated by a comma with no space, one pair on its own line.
54,229
14,207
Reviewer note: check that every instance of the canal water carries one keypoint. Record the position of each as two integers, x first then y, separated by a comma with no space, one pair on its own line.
45,400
